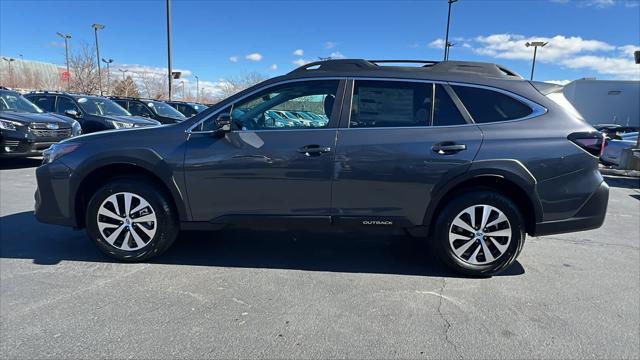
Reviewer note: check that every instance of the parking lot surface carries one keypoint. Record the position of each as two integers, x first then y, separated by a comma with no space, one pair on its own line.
279,294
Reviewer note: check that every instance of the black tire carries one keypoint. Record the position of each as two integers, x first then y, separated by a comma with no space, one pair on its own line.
166,228
440,240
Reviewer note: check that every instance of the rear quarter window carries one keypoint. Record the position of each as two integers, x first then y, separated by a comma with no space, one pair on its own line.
487,106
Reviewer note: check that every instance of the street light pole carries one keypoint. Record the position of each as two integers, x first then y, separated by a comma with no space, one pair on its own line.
449,45
123,71
97,27
126,88
108,74
66,38
169,73
535,45
10,60
197,89
446,38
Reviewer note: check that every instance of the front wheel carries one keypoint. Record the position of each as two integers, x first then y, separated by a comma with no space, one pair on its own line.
479,233
131,220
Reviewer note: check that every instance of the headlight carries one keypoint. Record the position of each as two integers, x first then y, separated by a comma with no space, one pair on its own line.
56,151
9,125
121,124
77,129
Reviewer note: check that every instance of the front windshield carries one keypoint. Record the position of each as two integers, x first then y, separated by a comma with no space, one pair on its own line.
167,110
10,101
101,106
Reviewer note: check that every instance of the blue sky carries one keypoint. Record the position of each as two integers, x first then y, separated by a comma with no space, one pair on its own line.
216,39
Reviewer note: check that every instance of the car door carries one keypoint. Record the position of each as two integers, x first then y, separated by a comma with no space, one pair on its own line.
396,141
261,168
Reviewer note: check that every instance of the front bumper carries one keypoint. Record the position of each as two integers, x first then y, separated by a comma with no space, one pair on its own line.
23,148
28,143
53,200
590,216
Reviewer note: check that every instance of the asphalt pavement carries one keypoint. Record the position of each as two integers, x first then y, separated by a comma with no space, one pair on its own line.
276,294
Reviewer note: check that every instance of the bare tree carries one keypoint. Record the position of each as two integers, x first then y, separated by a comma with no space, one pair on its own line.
84,73
154,85
126,87
234,85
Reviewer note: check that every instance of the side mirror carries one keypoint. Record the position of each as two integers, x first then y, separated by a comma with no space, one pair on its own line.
223,122
72,113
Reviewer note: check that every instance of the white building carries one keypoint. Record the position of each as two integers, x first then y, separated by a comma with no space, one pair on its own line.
606,101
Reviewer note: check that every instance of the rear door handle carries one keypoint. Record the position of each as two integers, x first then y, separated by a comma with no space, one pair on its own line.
314,150
445,148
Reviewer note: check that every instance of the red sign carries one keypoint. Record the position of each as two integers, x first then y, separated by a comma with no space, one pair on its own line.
65,75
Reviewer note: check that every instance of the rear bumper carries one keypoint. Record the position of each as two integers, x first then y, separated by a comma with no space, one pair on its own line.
590,216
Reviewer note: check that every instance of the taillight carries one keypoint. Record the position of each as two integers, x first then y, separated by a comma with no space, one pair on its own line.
591,142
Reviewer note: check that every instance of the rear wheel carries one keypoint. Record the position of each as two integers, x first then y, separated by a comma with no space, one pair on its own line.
131,220
479,233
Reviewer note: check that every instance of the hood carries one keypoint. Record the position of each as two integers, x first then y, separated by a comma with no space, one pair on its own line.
28,118
132,119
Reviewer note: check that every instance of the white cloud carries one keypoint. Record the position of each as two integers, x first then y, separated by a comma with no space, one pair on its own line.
512,46
234,58
599,3
437,44
628,50
591,56
301,62
621,68
254,57
274,66
298,52
632,3
336,55
330,45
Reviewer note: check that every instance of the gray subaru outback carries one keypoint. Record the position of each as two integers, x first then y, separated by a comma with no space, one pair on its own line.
468,155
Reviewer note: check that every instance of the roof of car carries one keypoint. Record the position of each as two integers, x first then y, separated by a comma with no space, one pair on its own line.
404,68
72,94
133,98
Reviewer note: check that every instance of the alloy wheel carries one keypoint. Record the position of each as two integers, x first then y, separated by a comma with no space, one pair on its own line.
127,221
480,234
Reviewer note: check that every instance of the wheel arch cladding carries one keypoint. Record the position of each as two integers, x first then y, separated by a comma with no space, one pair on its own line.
99,176
518,185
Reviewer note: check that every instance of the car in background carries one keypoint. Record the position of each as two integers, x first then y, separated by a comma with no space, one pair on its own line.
614,131
188,109
26,130
152,109
94,113
613,149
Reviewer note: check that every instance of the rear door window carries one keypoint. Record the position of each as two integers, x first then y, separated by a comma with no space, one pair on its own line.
445,111
487,106
46,103
65,104
390,104
138,109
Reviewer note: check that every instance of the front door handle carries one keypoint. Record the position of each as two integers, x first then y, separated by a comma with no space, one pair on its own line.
314,150
448,147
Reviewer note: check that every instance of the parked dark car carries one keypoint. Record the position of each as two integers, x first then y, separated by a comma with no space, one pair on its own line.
188,109
469,155
26,130
152,109
95,113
